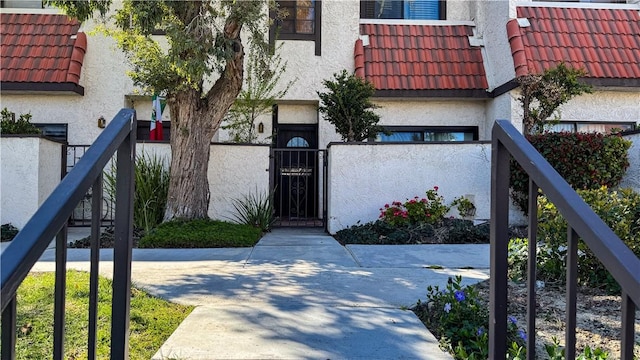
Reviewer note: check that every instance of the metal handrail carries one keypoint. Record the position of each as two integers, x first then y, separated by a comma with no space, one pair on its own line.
582,221
50,220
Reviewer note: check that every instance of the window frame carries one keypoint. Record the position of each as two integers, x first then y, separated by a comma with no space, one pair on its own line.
473,130
367,6
317,28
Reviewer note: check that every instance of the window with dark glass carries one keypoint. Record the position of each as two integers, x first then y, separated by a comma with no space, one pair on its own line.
297,20
428,134
604,127
54,131
403,9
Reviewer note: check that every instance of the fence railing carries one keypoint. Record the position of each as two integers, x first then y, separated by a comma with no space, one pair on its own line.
50,221
583,224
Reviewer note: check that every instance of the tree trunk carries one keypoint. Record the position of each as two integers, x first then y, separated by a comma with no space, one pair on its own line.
194,121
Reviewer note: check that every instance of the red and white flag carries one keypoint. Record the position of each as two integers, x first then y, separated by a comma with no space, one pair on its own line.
155,131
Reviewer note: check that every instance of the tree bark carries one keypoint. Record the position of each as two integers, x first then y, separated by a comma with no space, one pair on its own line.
194,120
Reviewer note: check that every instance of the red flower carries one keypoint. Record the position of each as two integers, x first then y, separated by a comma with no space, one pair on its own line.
386,206
435,188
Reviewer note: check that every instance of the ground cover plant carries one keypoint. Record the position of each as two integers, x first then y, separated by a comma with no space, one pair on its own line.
153,320
203,233
420,220
8,232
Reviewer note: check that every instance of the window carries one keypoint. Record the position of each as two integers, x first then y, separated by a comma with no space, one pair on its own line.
428,134
21,4
144,127
298,142
589,1
403,9
297,20
573,126
54,131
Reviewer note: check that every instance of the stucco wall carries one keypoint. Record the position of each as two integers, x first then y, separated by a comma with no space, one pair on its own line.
632,177
362,178
234,171
30,171
340,30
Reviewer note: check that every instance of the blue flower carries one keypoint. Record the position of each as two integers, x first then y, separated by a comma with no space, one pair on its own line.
459,295
447,307
513,320
480,331
522,334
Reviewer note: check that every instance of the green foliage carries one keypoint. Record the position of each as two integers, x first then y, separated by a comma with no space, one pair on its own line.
456,316
150,194
542,94
347,105
258,95
584,160
202,233
21,126
153,320
8,232
383,233
619,209
556,352
255,209
430,209
464,206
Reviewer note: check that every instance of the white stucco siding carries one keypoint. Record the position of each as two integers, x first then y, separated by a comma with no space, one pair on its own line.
498,108
30,171
632,177
298,114
340,30
431,113
603,106
236,171
362,178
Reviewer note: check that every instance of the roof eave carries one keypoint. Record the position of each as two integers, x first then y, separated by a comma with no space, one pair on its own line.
36,87
474,94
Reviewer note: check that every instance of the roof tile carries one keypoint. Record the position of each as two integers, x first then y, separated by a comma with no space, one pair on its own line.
605,42
41,48
420,57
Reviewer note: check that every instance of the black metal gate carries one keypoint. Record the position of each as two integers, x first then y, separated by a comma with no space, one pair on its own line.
298,185
81,215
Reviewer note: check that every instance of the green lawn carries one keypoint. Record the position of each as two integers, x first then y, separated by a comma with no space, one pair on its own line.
153,320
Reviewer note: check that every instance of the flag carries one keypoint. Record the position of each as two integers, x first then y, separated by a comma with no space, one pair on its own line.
157,105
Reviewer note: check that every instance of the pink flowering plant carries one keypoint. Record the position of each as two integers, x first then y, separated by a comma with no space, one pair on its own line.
429,209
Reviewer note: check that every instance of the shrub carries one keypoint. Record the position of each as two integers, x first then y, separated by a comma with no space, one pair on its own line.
8,232
382,232
202,233
619,209
9,125
255,209
584,160
430,209
457,317
151,189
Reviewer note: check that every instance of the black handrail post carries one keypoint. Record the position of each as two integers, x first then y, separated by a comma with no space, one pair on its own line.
122,253
9,314
531,270
60,294
499,243
572,290
96,212
627,337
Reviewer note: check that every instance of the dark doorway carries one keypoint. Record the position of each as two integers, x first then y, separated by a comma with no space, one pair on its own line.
296,177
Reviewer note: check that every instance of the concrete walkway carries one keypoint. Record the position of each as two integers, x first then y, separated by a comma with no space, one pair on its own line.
297,294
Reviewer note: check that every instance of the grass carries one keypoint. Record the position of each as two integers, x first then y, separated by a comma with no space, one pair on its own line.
153,320
204,233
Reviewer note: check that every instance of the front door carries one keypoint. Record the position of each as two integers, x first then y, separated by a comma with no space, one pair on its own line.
296,174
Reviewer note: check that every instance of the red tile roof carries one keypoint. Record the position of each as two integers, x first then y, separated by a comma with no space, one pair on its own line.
604,42
420,57
41,49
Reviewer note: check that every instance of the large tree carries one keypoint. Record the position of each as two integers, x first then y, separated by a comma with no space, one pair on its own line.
201,73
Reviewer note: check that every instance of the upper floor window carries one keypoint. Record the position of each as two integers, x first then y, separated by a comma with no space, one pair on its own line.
297,20
605,127
403,9
21,4
589,1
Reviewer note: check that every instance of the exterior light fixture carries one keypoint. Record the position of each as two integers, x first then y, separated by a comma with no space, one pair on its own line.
261,128
102,122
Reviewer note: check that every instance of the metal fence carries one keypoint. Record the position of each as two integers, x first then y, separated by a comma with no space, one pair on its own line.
583,223
50,220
